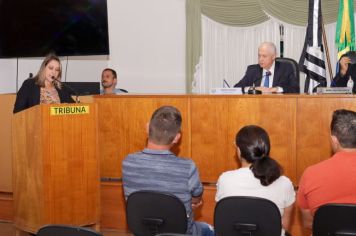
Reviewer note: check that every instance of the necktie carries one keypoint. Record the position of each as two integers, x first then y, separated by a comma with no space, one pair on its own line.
266,83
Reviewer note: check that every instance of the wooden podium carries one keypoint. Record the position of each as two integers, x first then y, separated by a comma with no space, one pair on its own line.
56,166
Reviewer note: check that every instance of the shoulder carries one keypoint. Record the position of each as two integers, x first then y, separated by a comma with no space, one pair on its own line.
253,70
186,162
285,181
132,156
29,82
254,67
29,85
317,172
233,174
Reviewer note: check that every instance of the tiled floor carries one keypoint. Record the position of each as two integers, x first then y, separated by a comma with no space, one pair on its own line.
7,229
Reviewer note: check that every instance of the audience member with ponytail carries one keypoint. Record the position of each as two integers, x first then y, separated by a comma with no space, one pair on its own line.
259,175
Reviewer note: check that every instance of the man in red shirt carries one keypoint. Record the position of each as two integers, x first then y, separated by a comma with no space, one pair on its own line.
332,180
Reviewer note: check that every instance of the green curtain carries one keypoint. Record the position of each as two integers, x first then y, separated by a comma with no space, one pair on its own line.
193,40
243,13
233,12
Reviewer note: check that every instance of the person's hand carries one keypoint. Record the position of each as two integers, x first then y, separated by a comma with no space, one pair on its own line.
196,204
267,90
344,65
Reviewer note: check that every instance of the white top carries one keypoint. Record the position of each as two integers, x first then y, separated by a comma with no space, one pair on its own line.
242,182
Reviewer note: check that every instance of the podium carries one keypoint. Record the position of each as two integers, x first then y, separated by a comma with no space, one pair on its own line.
56,166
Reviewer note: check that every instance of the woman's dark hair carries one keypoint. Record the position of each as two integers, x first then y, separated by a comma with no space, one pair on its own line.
254,145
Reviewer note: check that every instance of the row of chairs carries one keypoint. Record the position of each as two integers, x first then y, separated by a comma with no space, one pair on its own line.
152,213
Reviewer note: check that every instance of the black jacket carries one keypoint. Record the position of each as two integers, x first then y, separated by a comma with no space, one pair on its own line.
341,81
283,77
29,95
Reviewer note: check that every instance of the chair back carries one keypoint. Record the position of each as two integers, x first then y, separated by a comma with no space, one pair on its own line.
66,230
169,234
293,63
240,215
335,219
150,213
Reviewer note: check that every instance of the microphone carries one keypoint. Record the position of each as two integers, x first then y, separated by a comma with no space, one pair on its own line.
253,90
225,84
69,88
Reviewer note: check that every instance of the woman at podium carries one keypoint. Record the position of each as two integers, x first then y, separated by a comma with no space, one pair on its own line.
44,88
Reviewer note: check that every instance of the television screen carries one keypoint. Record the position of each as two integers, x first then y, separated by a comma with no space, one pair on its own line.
66,27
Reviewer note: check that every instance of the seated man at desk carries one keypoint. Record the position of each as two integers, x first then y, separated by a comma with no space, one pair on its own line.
109,81
269,76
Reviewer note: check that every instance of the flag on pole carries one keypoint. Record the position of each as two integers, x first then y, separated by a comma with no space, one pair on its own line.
345,28
312,60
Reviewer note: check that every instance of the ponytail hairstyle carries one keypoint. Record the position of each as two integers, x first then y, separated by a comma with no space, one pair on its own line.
254,145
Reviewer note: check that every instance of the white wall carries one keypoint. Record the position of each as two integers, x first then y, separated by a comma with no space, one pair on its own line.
147,49
148,44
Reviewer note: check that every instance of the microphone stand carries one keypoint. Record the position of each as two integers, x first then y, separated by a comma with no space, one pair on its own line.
69,88
253,90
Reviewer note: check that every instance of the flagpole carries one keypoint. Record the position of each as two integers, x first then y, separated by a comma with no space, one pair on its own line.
327,50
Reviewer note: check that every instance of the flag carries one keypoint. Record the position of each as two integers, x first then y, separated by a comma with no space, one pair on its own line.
345,28
312,60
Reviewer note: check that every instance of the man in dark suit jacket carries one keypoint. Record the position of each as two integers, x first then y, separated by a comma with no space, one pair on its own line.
281,77
347,70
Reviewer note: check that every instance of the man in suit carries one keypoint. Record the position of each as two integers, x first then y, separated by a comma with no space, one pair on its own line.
347,71
269,76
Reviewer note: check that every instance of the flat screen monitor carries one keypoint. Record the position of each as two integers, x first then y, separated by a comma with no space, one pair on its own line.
65,27
82,88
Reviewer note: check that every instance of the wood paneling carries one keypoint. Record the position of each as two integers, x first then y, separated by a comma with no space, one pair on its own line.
313,127
122,128
6,207
56,170
298,125
215,122
6,106
113,206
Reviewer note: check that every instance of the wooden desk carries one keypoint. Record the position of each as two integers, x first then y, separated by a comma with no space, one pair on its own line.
298,126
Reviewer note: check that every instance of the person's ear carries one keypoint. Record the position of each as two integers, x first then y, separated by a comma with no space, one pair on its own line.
147,127
238,152
335,144
176,138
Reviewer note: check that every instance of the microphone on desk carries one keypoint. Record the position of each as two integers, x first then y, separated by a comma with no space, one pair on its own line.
225,84
72,90
253,89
